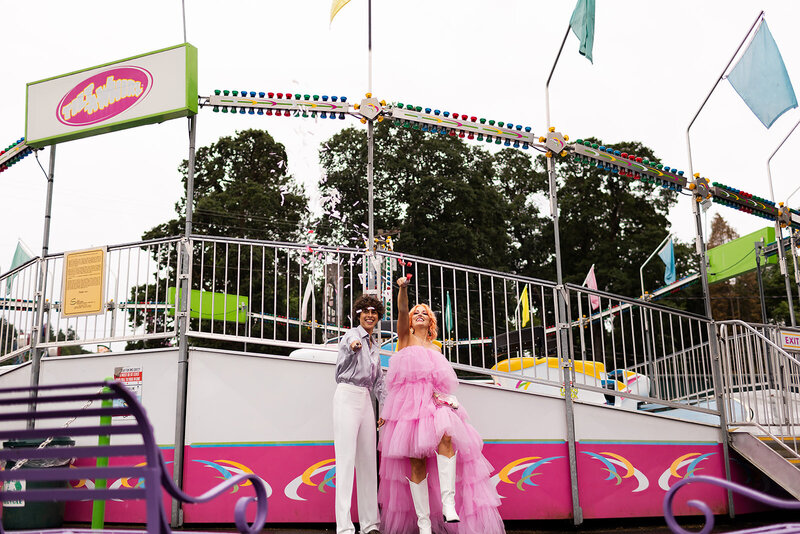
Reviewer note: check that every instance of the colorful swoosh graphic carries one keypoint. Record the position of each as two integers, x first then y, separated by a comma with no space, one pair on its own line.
611,461
226,468
326,468
227,472
690,461
527,465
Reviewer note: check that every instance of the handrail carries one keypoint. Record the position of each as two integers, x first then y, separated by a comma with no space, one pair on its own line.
629,301
762,336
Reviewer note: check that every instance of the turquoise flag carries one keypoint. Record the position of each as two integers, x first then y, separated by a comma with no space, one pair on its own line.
21,255
448,315
582,24
667,255
761,79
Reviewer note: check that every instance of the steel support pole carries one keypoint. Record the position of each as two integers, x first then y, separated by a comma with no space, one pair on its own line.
714,351
784,271
371,278
37,332
793,247
759,246
184,282
564,354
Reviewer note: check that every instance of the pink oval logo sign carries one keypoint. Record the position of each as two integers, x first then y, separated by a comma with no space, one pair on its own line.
104,95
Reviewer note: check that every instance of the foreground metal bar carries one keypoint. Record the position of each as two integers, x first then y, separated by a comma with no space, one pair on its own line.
37,333
184,283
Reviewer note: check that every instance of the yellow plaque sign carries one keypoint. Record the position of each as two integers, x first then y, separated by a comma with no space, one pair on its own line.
83,282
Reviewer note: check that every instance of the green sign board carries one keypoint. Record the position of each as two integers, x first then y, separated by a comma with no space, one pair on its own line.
216,306
738,256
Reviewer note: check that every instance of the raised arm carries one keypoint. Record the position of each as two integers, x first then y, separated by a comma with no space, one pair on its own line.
402,313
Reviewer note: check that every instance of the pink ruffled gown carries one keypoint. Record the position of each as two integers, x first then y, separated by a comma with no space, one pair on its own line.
414,426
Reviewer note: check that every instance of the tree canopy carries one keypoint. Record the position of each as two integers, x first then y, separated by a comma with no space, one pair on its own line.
461,203
241,189
445,199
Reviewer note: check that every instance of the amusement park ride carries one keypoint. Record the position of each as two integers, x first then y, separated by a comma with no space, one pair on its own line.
470,127
664,392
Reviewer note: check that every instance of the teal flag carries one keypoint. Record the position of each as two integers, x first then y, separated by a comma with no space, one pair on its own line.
21,255
761,79
582,24
448,315
667,255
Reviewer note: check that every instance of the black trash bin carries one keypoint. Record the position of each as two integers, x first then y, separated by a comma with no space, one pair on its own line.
35,515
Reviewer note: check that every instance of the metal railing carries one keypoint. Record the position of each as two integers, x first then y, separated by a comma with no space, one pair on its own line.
17,307
137,307
761,383
668,346
277,297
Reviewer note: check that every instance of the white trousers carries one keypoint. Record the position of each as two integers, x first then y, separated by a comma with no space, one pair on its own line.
354,440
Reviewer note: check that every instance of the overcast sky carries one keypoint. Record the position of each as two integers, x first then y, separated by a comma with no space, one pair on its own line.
654,63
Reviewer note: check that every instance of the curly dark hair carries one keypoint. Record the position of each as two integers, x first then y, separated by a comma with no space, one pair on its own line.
365,301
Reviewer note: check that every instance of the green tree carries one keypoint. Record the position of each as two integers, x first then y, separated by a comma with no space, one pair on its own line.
734,298
605,220
447,200
241,189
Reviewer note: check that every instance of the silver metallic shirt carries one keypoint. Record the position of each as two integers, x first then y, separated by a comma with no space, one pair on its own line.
361,367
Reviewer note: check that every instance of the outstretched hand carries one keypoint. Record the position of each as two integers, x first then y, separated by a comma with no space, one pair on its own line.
403,282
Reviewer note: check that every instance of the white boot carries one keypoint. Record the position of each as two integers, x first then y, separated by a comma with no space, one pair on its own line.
419,494
447,481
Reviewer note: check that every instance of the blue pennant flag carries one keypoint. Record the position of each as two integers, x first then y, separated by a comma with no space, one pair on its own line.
761,79
448,315
582,25
667,255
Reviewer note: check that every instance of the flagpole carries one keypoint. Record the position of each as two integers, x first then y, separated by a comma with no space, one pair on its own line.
779,233
577,511
688,140
547,85
641,269
369,46
371,260
700,245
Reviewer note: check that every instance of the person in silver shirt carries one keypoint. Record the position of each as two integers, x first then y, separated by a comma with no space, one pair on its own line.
358,372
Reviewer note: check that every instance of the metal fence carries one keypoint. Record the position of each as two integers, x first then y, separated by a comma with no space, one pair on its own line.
761,383
631,337
278,297
17,307
137,307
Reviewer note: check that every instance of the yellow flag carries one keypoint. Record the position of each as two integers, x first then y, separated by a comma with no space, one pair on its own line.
336,5
526,313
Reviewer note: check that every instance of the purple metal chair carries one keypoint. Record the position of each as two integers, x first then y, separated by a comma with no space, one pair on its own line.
55,405
784,528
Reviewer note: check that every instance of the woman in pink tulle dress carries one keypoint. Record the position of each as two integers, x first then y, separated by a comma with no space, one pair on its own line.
423,436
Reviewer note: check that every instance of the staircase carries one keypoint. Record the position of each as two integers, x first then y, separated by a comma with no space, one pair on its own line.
770,457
